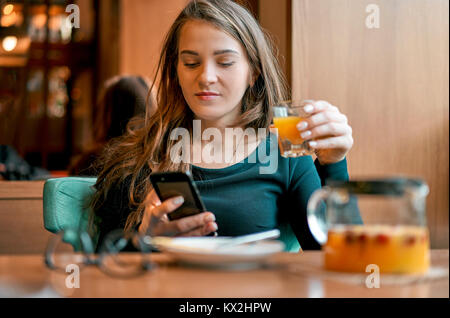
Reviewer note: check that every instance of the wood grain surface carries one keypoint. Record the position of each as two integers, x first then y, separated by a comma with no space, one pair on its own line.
391,82
27,276
21,219
144,25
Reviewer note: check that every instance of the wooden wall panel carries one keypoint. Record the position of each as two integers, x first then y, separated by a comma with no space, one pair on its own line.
108,40
21,220
274,17
391,82
144,24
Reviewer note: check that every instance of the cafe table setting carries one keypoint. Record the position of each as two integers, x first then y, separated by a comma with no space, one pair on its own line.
214,268
386,256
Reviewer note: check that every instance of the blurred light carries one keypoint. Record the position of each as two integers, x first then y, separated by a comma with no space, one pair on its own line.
9,43
39,20
9,20
8,9
66,30
54,23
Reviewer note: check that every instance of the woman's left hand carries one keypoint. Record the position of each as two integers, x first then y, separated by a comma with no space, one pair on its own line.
329,132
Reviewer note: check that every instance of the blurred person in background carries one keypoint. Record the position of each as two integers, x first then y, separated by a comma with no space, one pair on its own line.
121,99
14,167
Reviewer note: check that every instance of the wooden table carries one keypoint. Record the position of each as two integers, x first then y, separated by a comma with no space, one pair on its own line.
27,276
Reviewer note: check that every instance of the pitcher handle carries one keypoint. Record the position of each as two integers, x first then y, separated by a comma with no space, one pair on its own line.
318,223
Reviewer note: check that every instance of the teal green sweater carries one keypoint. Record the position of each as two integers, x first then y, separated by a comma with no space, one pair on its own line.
266,191
262,192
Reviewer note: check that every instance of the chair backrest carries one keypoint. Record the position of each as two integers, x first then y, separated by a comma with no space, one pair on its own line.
288,237
66,205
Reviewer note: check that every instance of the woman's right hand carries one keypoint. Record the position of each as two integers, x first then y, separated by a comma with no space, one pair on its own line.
156,223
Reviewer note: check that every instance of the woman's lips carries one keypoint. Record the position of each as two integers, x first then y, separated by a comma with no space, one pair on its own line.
207,95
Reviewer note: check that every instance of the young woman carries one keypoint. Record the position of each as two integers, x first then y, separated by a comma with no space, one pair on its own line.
218,71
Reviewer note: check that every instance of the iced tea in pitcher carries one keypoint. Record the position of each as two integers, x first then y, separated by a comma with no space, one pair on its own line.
380,222
394,249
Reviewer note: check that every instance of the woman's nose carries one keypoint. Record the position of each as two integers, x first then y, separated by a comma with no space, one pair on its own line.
208,75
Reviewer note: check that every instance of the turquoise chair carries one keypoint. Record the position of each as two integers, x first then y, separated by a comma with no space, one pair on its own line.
66,202
288,237
66,206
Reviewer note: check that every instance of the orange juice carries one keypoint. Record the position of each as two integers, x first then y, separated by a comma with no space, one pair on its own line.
287,128
395,249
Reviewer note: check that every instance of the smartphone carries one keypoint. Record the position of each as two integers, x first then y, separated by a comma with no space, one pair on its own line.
171,184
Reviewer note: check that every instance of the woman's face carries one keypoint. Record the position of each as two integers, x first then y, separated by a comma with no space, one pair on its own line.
213,72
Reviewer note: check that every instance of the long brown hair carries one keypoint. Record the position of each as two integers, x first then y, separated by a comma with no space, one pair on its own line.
147,147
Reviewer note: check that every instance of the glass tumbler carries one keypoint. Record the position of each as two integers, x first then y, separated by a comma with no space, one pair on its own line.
286,116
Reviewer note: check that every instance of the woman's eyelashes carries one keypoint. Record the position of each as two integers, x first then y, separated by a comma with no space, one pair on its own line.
195,64
226,64
191,65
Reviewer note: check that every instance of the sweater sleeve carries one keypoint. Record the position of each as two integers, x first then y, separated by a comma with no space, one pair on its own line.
306,177
334,171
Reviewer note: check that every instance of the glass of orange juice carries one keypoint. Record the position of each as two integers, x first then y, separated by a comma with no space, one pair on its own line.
378,222
286,116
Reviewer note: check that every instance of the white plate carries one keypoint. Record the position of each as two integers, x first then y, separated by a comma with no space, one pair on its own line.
206,251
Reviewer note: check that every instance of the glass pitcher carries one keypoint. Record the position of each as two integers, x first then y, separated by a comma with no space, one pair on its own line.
373,222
